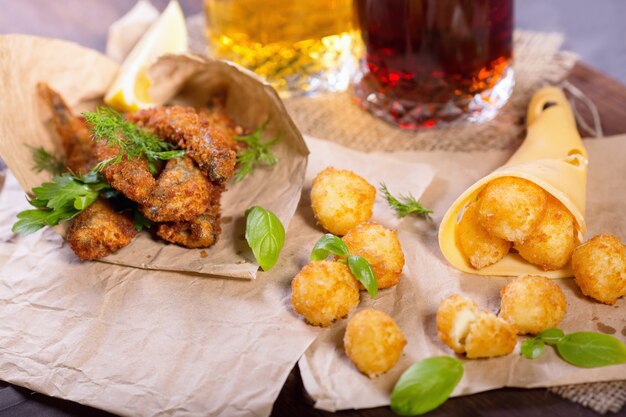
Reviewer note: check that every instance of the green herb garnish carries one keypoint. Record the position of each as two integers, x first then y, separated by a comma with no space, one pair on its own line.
265,235
255,153
109,126
360,268
582,349
59,200
405,205
45,161
426,385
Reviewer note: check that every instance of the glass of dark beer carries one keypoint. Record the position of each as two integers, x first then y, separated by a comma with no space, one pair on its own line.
434,62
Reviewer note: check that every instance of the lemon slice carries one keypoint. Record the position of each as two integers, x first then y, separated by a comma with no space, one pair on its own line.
168,34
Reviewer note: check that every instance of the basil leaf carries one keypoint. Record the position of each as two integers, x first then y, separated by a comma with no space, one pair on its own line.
551,336
328,244
426,385
532,348
591,350
265,235
362,271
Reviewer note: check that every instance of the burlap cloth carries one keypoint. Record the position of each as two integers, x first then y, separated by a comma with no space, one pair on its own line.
538,61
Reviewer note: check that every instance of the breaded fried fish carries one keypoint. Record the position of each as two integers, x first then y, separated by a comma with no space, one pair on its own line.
74,133
213,151
182,193
99,230
131,177
201,232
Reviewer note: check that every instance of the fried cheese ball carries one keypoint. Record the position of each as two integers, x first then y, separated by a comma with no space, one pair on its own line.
324,291
373,342
381,248
341,200
489,336
599,267
510,208
466,329
552,242
532,304
479,246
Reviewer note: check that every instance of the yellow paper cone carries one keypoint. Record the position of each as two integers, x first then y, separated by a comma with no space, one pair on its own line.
553,157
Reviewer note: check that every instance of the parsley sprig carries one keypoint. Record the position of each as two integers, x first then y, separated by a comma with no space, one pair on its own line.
59,200
255,153
45,161
405,205
109,126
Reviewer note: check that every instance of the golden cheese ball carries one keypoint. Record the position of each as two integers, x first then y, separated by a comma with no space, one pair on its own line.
552,242
454,316
599,267
479,246
466,329
373,342
532,304
324,291
381,248
490,336
510,208
341,200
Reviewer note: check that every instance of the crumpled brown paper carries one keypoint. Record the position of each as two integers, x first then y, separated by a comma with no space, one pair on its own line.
82,76
148,343
335,384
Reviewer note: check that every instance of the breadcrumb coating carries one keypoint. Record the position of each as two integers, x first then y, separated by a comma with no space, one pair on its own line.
599,267
341,200
373,342
466,329
479,246
381,248
532,304
490,336
552,242
324,291
510,208
99,230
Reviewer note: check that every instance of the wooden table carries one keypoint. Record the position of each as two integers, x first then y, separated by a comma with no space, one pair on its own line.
86,22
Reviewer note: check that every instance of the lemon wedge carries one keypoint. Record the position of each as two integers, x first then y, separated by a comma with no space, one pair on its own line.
168,34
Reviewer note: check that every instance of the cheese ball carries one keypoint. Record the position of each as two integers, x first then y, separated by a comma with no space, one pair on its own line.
510,208
551,244
454,315
373,342
479,246
323,292
599,267
490,336
381,248
532,304
466,329
341,200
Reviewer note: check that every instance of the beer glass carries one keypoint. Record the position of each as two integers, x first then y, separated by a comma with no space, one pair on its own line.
434,62
300,46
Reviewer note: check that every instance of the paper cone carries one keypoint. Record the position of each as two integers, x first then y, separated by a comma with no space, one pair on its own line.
553,157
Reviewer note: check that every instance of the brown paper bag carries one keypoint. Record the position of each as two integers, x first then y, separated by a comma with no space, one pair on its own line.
82,76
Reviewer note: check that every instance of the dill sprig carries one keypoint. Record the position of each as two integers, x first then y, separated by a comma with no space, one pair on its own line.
109,126
405,205
45,161
256,152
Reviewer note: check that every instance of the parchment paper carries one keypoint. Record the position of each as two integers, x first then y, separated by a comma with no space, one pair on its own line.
82,76
334,382
155,343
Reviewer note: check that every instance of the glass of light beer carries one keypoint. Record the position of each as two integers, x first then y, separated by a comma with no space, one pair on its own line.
299,46
434,62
